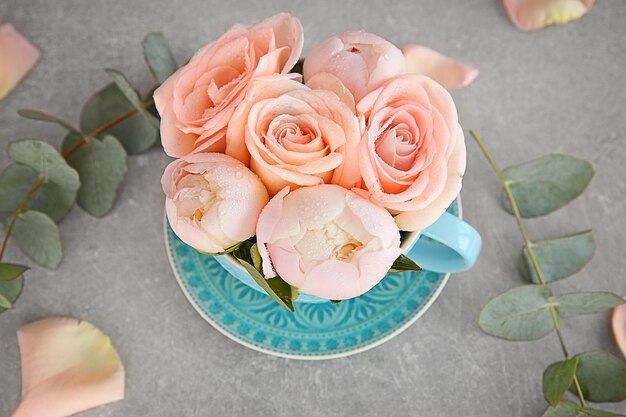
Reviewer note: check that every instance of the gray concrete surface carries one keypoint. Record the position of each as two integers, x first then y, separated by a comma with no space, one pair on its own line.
558,90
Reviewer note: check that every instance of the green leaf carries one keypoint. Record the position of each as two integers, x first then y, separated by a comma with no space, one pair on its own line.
557,378
248,256
158,56
17,181
134,132
335,301
404,263
11,290
276,287
563,409
521,313
558,258
594,412
585,303
546,184
45,117
298,68
224,252
602,377
38,237
131,95
102,165
44,159
5,303
9,271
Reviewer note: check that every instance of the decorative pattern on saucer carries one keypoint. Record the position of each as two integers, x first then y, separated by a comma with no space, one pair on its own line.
314,331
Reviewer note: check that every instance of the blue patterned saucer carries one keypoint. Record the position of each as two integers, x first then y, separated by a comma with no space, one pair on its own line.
313,331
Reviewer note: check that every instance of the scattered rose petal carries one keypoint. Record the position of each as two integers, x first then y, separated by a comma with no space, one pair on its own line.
618,321
446,71
68,366
17,55
530,15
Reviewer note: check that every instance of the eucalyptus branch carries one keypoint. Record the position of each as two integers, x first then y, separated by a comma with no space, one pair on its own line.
531,253
106,126
16,214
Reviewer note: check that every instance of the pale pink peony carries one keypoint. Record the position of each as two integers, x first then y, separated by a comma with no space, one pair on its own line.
618,324
412,155
530,15
361,60
295,136
327,241
197,101
213,200
446,71
17,58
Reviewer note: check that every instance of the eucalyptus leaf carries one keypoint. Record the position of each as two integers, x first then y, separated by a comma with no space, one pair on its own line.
563,409
404,263
594,412
44,159
131,95
256,257
11,290
546,184
135,132
17,181
9,271
102,165
45,117
158,56
585,303
558,258
557,378
521,313
38,237
602,377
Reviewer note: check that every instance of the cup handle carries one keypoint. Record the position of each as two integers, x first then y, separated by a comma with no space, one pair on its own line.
448,245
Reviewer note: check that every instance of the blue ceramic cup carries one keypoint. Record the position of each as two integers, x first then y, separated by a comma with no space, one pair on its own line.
448,245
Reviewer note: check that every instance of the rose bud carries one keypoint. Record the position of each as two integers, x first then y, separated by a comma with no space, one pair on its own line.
213,201
327,241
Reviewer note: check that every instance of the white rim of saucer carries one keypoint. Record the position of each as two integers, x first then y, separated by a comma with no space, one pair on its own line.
236,339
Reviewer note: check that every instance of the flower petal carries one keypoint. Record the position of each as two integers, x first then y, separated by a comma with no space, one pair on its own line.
618,323
18,56
530,15
68,366
446,71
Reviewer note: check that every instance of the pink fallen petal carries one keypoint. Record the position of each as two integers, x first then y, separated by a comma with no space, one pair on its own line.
68,366
530,15
17,58
618,322
446,71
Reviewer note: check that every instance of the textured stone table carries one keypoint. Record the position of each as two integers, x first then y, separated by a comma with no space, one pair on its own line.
558,90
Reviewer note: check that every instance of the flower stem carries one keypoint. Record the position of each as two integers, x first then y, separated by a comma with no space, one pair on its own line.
530,251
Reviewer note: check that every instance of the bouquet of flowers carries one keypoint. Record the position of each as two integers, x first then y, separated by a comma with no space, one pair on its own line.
306,172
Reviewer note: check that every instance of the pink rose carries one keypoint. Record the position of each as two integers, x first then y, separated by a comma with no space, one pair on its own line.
295,135
412,155
197,101
18,57
327,241
213,200
361,60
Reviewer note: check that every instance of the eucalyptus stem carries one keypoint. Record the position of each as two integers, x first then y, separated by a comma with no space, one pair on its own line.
531,253
16,214
101,129
68,153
